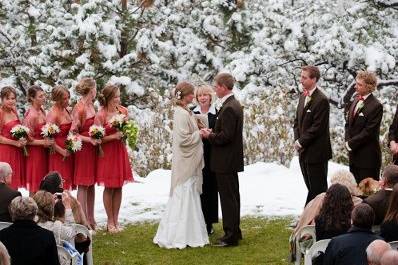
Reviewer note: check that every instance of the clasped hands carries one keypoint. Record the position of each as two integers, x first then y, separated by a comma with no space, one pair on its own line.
205,132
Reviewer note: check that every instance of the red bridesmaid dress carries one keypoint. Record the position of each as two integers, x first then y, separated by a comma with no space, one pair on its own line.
56,161
113,169
85,159
36,162
13,156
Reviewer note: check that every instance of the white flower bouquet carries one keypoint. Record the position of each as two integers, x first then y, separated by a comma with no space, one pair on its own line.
97,132
128,127
73,143
49,130
20,132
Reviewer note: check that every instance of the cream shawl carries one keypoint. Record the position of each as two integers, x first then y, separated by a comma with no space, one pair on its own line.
187,148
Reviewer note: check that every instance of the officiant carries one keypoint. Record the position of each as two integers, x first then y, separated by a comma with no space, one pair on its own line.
206,115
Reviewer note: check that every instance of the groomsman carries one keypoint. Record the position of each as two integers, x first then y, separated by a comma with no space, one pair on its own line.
393,137
362,129
227,157
311,133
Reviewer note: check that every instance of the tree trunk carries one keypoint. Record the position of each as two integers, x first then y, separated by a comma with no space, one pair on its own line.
125,32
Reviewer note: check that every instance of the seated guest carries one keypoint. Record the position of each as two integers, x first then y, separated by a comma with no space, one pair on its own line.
335,215
45,203
379,201
390,258
375,251
350,248
343,177
26,242
7,194
389,227
53,183
4,256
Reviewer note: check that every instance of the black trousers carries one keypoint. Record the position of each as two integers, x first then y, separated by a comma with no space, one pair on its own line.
209,197
315,178
228,188
363,173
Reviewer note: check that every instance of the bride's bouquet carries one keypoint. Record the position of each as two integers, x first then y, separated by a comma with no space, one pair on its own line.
128,127
49,130
97,132
20,132
73,143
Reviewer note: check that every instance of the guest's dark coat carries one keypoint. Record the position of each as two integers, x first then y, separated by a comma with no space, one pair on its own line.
29,244
7,194
379,202
350,248
389,231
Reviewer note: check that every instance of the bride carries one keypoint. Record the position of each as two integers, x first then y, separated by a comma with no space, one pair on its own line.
183,223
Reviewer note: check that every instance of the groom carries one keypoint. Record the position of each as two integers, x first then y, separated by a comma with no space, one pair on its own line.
227,157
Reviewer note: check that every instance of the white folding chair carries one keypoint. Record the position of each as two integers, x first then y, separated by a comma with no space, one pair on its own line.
65,258
306,230
81,229
319,246
394,245
4,225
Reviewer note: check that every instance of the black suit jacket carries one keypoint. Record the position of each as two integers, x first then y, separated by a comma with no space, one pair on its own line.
311,128
350,248
379,202
393,131
29,244
362,133
7,194
226,139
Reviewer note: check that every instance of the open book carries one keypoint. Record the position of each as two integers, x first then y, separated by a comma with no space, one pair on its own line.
202,120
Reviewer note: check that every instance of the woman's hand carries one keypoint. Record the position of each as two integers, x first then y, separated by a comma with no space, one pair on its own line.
21,143
117,136
65,153
48,142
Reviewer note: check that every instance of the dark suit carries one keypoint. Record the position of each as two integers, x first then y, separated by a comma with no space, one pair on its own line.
29,244
311,130
393,133
226,162
209,196
362,132
7,194
350,248
379,202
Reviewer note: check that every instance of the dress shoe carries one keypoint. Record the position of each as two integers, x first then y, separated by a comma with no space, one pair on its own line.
210,230
224,244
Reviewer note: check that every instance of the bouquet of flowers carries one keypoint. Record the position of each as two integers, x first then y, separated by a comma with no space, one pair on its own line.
20,132
49,130
97,132
73,143
128,127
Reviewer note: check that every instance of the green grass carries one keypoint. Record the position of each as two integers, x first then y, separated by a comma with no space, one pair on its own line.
265,241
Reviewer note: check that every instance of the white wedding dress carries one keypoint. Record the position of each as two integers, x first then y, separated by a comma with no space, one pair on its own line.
182,223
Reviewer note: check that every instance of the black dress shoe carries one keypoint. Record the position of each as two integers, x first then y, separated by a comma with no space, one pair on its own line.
224,244
210,229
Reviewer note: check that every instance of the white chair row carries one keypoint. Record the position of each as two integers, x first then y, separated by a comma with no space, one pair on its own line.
306,230
319,246
65,258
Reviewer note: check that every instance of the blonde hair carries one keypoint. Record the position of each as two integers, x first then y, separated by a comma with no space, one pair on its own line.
204,90
45,203
369,78
23,208
7,91
182,89
107,94
347,179
58,93
85,85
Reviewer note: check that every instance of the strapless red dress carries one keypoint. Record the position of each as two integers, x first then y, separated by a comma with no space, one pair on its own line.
85,159
113,169
36,162
13,156
56,161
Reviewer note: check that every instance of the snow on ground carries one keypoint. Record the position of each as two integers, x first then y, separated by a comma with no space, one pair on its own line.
266,189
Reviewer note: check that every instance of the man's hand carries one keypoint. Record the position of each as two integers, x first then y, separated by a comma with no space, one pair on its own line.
204,133
297,145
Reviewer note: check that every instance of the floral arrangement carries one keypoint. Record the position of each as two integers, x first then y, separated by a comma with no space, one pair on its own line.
97,132
73,143
20,132
49,130
128,127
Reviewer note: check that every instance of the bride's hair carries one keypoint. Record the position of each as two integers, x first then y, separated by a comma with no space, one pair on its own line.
182,89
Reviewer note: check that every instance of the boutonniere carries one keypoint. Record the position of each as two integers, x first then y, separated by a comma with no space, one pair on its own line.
309,99
360,105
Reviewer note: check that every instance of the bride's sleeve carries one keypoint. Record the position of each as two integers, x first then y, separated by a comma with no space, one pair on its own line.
184,136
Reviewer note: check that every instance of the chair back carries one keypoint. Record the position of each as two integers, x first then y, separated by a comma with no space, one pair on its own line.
306,230
319,246
394,245
81,229
4,225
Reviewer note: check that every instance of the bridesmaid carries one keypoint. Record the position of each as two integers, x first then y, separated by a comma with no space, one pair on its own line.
35,119
61,161
10,149
113,169
209,196
85,160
